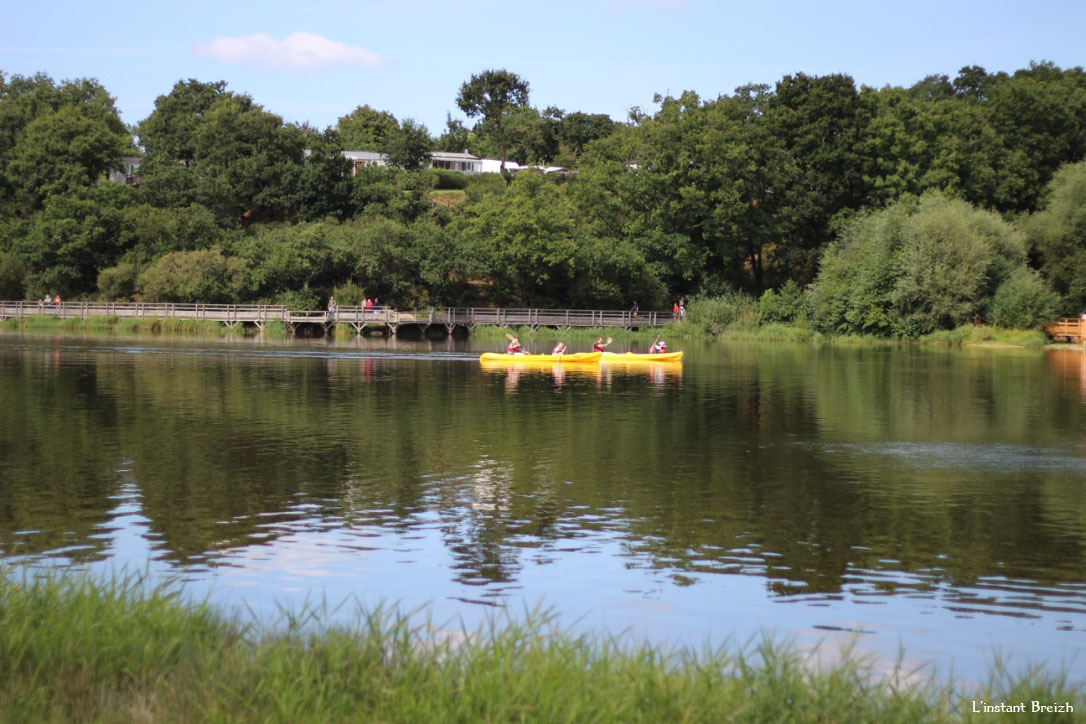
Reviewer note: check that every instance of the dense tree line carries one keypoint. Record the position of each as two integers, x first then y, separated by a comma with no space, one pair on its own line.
890,211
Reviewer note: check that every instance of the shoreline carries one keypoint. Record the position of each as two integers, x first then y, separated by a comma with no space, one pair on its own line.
153,655
967,336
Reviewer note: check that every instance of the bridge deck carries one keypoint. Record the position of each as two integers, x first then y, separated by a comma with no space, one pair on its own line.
1072,329
359,317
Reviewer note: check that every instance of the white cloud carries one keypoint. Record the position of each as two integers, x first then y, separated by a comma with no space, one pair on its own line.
299,52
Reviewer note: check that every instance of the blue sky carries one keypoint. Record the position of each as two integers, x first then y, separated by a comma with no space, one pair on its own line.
317,61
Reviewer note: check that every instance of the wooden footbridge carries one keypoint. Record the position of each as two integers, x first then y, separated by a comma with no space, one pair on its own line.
359,318
1072,329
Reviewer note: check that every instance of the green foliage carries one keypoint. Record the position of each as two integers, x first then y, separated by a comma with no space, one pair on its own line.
54,138
193,276
716,315
400,195
349,295
536,251
300,299
743,191
914,268
492,95
209,146
790,305
73,236
409,147
1023,301
12,275
975,334
482,184
450,179
456,137
118,283
367,129
1057,235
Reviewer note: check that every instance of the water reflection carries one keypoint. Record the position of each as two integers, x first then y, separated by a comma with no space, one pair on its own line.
795,485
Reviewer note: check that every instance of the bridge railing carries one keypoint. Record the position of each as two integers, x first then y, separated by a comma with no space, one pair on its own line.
1073,329
231,313
215,312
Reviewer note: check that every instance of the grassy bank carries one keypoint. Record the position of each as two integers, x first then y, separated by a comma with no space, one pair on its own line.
125,325
968,334
76,649
586,334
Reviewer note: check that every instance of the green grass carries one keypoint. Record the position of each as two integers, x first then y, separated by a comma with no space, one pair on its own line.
126,325
81,649
586,334
981,334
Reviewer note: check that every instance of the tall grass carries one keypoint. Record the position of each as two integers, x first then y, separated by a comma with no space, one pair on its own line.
547,334
126,325
81,649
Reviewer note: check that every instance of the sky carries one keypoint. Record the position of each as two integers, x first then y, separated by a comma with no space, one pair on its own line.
316,61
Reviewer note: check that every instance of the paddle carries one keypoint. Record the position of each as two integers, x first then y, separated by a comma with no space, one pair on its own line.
511,338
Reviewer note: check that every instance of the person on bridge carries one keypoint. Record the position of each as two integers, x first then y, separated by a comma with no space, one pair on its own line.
514,347
331,307
599,345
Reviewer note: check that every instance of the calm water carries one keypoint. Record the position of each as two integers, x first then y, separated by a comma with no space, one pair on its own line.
926,497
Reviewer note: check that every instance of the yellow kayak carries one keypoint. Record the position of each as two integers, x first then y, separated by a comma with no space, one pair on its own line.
631,357
572,358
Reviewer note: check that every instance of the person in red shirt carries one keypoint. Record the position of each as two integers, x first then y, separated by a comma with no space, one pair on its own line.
514,347
559,349
599,345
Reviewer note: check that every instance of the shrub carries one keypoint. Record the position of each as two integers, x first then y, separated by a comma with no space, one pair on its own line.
1023,301
449,180
914,268
12,274
789,305
118,283
299,299
193,276
349,295
728,311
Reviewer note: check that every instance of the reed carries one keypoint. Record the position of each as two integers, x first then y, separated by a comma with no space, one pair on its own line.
84,649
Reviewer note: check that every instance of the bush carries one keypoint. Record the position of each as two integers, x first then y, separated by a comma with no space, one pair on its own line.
193,276
349,295
718,314
789,305
449,180
300,300
12,274
118,283
1023,301
915,268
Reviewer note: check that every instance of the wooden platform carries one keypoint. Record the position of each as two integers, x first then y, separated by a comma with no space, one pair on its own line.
1070,329
359,318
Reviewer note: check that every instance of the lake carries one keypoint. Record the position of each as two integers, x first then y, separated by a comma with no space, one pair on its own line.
923,497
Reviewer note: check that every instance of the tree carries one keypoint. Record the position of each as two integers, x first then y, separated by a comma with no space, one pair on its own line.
367,129
578,129
492,94
1057,236
455,138
223,151
409,147
54,137
919,266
